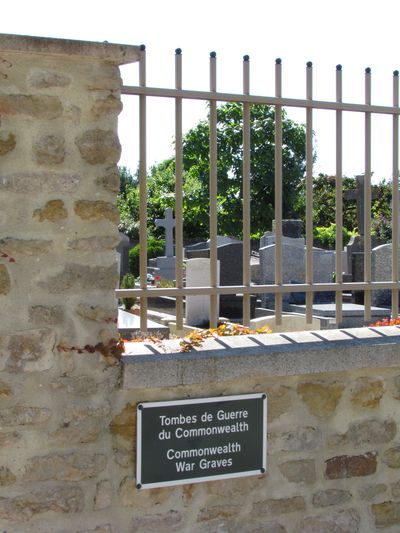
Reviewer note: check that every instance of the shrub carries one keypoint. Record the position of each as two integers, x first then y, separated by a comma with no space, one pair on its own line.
326,236
128,282
155,248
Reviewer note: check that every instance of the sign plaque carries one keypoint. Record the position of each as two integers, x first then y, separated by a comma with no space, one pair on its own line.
195,440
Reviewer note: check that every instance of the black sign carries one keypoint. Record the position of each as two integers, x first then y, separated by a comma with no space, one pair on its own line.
188,441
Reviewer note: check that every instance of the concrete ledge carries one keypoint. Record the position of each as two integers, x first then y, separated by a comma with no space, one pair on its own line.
114,53
309,352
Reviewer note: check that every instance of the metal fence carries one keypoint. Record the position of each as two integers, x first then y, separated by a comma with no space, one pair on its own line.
278,101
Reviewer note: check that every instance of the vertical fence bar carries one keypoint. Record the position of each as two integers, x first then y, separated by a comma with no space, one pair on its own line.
395,197
278,193
339,194
213,193
178,191
142,191
367,198
309,196
246,191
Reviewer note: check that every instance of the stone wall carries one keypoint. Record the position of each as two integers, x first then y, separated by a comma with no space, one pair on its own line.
59,105
68,404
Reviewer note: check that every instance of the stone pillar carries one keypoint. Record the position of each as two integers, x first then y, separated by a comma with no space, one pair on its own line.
59,105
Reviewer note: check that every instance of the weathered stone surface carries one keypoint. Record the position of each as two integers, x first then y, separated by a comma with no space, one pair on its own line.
298,440
77,277
30,351
9,438
124,424
169,521
45,79
279,402
366,432
96,210
53,211
5,283
97,313
396,490
347,521
83,433
369,492
131,497
107,78
235,488
110,105
391,457
79,385
94,244
7,142
279,506
321,399
110,180
344,466
25,246
103,496
49,150
6,477
397,388
42,315
60,499
64,467
35,106
98,146
386,514
299,471
261,527
39,182
367,392
220,512
105,528
5,389
324,498
124,459
21,415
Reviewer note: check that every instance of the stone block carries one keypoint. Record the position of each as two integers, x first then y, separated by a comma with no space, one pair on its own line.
77,277
43,315
103,496
64,467
49,150
124,424
98,146
106,107
110,180
300,439
325,498
96,210
142,499
169,521
367,392
369,492
53,211
386,514
43,182
7,142
21,415
94,244
41,78
5,282
279,506
6,477
30,247
321,399
347,521
35,106
29,351
299,471
346,466
366,432
219,512
59,499
391,457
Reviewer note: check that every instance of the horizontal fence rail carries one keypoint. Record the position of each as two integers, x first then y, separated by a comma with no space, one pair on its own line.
278,288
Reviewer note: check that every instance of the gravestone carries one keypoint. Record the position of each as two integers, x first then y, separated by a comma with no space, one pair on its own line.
291,233
205,245
165,265
230,257
197,308
381,270
123,254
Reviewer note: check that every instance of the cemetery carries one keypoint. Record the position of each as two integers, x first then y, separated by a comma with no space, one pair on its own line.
292,431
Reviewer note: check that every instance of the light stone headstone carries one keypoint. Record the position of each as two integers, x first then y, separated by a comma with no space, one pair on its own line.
165,265
381,270
197,308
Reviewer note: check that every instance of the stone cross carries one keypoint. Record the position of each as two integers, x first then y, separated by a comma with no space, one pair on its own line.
357,194
168,223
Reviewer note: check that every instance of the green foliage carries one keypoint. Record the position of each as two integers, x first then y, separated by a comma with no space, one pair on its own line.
325,237
155,248
128,282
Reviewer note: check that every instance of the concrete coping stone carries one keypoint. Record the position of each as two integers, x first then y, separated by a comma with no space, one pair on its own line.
119,54
276,354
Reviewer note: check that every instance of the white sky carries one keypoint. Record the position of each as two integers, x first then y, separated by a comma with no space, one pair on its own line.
354,33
